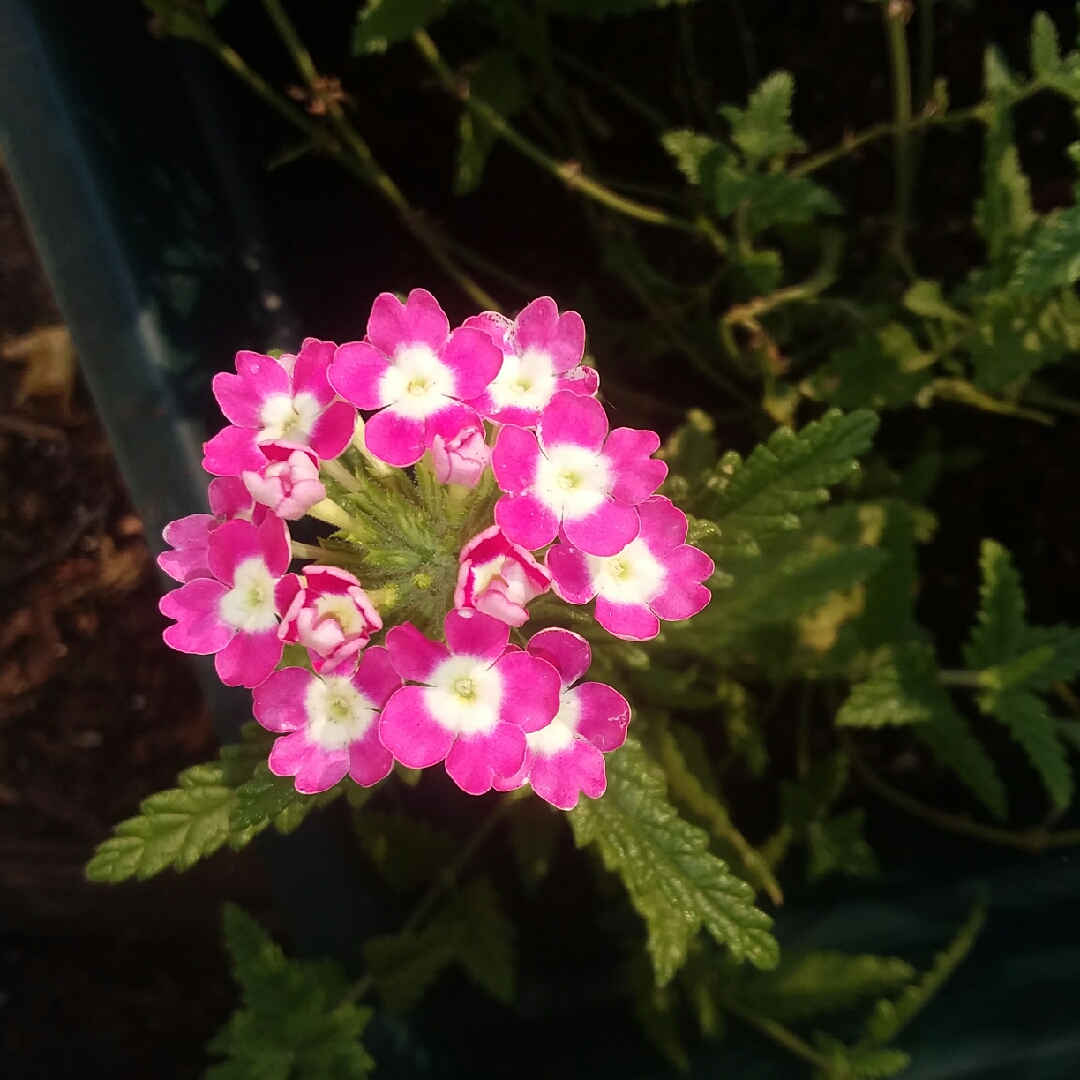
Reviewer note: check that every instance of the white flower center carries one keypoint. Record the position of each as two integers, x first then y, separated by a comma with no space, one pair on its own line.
249,604
417,383
465,695
526,381
286,417
631,577
338,714
559,734
571,480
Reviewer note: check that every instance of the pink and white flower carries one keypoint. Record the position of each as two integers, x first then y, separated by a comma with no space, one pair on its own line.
656,576
331,723
190,535
285,400
566,758
499,578
232,612
288,482
327,611
475,703
542,353
572,477
416,372
462,458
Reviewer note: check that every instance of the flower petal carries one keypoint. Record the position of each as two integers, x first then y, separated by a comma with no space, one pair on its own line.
249,658
369,760
604,715
231,544
241,396
279,702
409,731
356,374
199,629
514,459
274,544
189,536
636,474
396,439
567,652
681,600
570,419
474,761
631,622
530,690
415,657
419,321
606,531
309,371
229,497
321,770
331,432
560,779
581,380
232,451
663,525
526,521
290,753
570,574
377,678
473,633
474,360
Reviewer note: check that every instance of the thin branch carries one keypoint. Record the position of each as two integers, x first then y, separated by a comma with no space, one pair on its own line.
896,14
782,1036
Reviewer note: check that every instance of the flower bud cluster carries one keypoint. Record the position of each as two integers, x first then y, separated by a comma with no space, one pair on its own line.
576,514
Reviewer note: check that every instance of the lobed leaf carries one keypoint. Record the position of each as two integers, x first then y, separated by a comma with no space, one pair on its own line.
762,131
1031,725
1000,631
1052,257
675,884
904,690
1045,51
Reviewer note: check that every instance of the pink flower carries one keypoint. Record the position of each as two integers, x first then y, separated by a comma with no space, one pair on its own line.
328,613
416,372
573,475
542,353
566,757
332,723
462,458
656,576
286,400
229,499
288,482
475,704
233,613
499,578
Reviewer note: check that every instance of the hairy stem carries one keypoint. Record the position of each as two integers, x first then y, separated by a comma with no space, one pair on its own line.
896,14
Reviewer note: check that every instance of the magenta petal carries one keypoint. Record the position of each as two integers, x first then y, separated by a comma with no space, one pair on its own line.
473,633
356,374
249,658
526,521
455,418
369,760
636,474
604,715
231,544
530,690
580,380
330,434
560,778
536,323
473,762
189,536
415,657
409,731
377,678
663,525
681,600
567,345
309,371
231,451
419,321
395,439
285,594
321,770
279,702
568,418
688,563
473,358
199,629
274,544
241,396
290,753
519,778
606,531
567,652
631,622
229,497
514,459
570,574
495,325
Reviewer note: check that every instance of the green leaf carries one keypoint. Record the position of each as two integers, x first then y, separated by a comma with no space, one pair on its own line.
837,846
295,1022
1000,632
407,853
263,798
404,965
770,198
815,983
382,23
497,81
674,883
1031,725
902,691
789,474
861,1062
1045,53
1004,214
688,149
883,370
1052,258
924,298
762,130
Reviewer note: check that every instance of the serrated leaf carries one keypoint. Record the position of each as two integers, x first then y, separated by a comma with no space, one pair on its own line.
1045,52
688,150
382,23
1031,725
902,691
1052,258
404,965
1004,214
295,1021
837,846
789,474
674,883
879,371
1000,631
263,798
924,298
762,130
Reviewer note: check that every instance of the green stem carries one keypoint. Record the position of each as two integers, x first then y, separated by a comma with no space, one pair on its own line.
967,679
782,1036
653,117
337,471
896,14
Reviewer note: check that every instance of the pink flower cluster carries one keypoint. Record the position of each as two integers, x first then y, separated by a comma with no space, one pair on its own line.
577,514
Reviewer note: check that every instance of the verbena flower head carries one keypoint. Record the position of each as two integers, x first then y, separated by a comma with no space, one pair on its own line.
572,477
566,758
233,612
288,482
499,578
474,704
326,610
331,722
416,373
268,400
542,353
656,576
